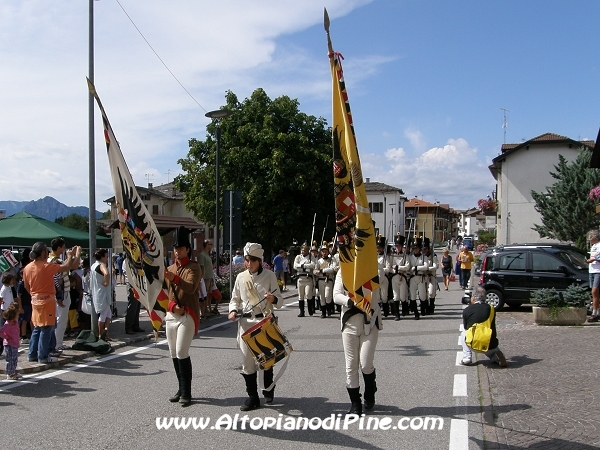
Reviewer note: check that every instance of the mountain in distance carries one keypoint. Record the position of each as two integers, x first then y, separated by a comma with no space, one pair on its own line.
48,208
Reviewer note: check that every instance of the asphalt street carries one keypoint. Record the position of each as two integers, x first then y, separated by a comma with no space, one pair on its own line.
115,401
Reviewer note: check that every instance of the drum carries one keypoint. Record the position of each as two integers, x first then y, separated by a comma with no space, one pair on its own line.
267,343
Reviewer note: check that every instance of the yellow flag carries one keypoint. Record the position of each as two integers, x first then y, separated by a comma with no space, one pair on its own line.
354,226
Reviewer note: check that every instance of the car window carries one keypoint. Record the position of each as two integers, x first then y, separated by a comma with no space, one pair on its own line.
574,258
512,261
544,263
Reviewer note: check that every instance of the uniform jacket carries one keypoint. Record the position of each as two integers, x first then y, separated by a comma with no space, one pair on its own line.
305,265
400,263
340,297
183,290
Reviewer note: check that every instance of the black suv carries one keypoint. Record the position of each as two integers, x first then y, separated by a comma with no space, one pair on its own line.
510,273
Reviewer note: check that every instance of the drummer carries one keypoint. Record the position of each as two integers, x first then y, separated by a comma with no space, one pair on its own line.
254,294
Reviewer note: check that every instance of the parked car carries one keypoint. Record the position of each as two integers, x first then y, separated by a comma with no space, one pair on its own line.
510,273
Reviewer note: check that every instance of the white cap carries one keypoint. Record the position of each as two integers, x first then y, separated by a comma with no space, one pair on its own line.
253,249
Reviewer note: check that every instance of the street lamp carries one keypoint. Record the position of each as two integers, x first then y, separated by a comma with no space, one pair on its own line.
217,115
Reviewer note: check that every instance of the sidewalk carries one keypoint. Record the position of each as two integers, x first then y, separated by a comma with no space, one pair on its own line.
117,333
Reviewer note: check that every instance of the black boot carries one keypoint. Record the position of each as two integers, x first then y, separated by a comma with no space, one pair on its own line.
424,305
356,407
253,402
431,308
405,310
330,309
311,306
268,379
177,395
415,309
386,309
397,309
338,308
301,306
185,368
370,389
324,311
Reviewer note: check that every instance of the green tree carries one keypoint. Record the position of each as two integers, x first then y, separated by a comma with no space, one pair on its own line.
566,210
73,221
281,160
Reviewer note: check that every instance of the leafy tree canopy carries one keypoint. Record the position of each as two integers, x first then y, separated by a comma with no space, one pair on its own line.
566,210
281,160
75,221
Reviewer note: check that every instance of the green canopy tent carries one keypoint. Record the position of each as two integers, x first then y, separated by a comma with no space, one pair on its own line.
23,230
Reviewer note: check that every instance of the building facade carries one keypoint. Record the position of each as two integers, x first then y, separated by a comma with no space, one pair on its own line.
435,221
518,170
387,208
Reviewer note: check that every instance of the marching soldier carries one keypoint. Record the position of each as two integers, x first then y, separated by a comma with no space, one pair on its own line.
400,270
325,274
304,265
335,265
383,268
314,301
432,286
418,282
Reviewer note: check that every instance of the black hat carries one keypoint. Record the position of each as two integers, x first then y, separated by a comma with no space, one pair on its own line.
426,243
418,242
399,240
381,241
181,238
409,244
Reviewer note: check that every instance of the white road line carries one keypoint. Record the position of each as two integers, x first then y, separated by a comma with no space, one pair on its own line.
460,385
459,357
459,343
35,377
461,328
459,434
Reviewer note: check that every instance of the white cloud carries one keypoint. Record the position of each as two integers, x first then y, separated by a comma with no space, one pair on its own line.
454,174
210,46
416,138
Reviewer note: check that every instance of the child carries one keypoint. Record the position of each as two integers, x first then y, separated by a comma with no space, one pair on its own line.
10,333
6,298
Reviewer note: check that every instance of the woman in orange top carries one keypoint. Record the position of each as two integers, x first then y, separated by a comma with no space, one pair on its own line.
38,277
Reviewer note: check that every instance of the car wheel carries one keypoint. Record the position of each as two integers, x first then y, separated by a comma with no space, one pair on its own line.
494,298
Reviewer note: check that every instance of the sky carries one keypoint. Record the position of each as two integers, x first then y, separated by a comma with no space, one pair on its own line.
427,81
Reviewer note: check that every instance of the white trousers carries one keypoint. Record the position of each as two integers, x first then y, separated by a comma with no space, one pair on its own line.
359,349
383,289
432,286
249,365
468,351
305,287
418,284
62,318
400,288
180,332
326,291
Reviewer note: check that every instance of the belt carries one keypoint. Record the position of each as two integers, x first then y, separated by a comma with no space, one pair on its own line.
257,316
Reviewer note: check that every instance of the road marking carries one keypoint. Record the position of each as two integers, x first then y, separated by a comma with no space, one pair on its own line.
459,343
461,328
30,378
459,357
459,434
460,385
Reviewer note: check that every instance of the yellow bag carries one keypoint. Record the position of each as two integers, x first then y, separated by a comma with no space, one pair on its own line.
479,335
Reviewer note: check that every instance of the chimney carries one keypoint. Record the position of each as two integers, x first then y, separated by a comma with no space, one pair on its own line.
149,185
368,180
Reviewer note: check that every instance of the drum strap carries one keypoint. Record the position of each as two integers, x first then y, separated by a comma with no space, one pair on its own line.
253,299
279,374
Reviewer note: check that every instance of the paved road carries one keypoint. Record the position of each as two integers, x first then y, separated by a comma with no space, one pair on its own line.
114,401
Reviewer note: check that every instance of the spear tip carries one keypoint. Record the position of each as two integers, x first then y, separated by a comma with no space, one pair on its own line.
326,20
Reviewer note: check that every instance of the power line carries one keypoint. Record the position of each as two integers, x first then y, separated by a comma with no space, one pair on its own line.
159,58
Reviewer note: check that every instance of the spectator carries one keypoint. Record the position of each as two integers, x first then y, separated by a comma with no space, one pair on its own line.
120,273
478,312
466,260
76,296
10,333
278,266
6,298
24,300
238,258
594,270
132,316
446,267
63,291
101,291
38,277
206,262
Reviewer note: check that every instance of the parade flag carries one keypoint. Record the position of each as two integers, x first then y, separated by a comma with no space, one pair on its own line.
354,226
145,262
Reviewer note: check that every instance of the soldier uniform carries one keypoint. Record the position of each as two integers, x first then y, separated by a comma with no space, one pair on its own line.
313,303
418,281
383,268
304,264
432,286
325,274
400,265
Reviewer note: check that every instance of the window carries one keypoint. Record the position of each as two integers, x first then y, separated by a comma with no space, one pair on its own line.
154,209
544,263
512,261
574,258
211,233
376,207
